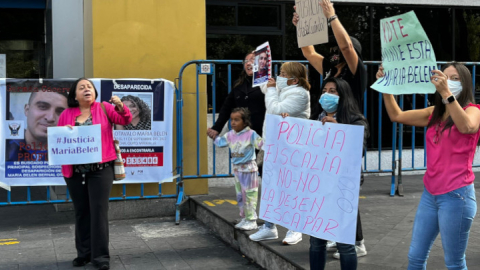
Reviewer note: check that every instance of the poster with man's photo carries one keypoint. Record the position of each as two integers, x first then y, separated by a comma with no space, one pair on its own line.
262,69
29,106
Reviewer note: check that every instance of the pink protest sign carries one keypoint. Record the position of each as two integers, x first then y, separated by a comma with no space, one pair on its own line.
311,177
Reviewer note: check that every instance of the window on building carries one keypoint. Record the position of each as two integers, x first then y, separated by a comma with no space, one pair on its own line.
22,40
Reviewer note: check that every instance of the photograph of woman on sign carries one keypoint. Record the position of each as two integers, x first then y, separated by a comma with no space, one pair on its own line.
260,72
141,113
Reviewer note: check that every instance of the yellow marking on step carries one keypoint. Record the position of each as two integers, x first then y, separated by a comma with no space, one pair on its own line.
208,203
232,202
218,201
10,241
362,197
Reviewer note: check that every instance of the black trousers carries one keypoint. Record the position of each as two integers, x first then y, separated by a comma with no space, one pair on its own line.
90,199
359,236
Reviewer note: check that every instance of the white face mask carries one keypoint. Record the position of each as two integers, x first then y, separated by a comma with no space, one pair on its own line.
455,87
282,82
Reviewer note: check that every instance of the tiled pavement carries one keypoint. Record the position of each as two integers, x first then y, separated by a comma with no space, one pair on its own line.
37,237
387,225
153,243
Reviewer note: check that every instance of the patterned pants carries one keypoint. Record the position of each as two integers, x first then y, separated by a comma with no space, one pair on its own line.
246,187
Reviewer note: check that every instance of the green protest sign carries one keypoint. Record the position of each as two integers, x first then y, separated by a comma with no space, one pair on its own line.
407,56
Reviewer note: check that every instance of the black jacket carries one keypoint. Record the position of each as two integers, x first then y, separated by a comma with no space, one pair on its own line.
361,121
243,96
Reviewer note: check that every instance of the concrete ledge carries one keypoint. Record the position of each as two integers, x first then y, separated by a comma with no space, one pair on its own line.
259,252
140,208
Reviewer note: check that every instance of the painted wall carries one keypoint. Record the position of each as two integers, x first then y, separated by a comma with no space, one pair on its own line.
152,39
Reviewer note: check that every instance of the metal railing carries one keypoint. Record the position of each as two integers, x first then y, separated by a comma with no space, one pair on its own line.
208,68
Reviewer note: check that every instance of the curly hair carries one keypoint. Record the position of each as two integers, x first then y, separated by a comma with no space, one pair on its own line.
145,112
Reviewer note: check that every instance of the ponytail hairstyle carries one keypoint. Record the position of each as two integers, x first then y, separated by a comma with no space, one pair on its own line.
298,71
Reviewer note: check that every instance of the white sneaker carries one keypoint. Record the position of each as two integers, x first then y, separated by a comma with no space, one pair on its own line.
248,225
264,233
292,238
240,223
331,246
360,249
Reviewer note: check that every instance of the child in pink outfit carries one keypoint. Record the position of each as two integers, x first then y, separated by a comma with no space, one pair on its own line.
242,142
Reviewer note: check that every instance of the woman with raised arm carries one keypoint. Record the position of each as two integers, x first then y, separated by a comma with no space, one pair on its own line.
448,203
344,61
242,95
90,184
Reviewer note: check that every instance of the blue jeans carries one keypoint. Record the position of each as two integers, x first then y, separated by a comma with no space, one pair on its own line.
449,214
269,225
318,255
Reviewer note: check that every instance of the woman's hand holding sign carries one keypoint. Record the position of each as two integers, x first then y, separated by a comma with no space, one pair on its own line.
271,82
328,119
328,9
380,73
439,79
295,18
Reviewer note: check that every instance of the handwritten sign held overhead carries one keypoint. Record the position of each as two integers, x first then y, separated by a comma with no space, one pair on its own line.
311,177
407,56
312,27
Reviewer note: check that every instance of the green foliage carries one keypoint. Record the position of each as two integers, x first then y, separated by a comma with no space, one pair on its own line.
473,27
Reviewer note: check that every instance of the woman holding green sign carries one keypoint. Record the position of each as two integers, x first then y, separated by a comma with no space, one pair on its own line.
448,204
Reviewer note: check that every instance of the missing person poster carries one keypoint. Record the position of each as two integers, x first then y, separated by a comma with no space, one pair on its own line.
29,107
262,69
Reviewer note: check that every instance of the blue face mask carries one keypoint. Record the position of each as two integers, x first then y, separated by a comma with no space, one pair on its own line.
282,82
329,102
455,87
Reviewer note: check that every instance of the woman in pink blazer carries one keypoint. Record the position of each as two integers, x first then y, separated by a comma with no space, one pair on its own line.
90,184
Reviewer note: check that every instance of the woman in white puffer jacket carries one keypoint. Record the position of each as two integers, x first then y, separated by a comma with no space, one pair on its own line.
288,95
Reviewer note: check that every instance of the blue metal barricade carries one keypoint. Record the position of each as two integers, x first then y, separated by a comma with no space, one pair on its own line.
397,140
25,193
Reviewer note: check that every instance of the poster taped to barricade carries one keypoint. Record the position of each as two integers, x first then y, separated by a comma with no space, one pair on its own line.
79,145
147,142
311,177
28,107
312,27
407,57
262,69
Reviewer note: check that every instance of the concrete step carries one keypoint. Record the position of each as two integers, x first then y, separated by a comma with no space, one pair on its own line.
271,254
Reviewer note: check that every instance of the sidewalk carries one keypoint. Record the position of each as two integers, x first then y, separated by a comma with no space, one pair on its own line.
37,237
387,225
153,243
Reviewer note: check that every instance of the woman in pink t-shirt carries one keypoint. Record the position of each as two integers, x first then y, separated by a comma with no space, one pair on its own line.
448,203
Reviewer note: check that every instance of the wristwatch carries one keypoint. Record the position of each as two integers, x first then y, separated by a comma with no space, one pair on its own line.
448,100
